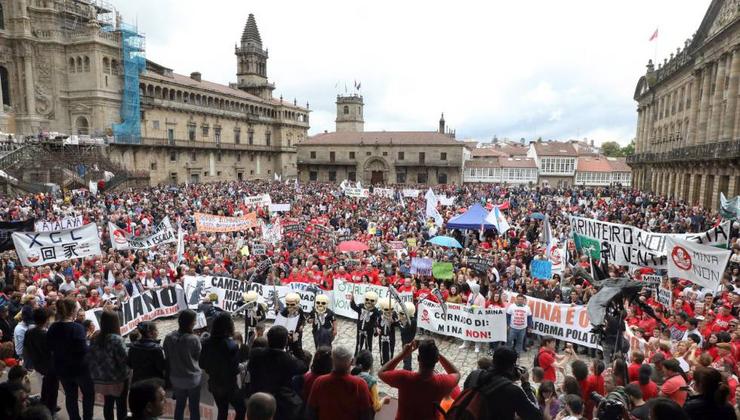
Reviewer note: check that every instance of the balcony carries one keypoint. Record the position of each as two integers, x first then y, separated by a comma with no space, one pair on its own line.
185,144
711,151
324,161
428,163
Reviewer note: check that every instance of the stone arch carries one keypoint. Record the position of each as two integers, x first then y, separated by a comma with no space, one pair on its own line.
86,64
150,90
71,65
106,65
79,64
157,91
375,170
82,126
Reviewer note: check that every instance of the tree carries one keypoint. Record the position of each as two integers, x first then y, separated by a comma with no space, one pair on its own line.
611,149
629,149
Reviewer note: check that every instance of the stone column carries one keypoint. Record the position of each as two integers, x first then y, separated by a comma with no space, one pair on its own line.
694,113
2,105
728,122
704,105
715,190
30,93
640,122
719,89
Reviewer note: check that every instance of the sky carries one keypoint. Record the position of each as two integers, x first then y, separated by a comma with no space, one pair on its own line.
558,70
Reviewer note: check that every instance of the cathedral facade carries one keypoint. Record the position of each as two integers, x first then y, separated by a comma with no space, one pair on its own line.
63,69
687,144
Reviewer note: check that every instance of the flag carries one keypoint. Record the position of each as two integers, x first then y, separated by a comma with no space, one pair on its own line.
729,209
441,300
654,35
358,86
431,211
400,198
497,219
546,236
358,185
343,185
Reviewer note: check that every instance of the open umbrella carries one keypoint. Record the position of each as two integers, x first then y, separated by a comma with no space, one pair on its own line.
352,246
537,215
445,241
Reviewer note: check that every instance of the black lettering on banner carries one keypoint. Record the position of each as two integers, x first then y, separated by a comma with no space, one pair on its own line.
138,307
48,253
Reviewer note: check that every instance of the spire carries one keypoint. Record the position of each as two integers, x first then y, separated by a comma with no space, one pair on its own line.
251,33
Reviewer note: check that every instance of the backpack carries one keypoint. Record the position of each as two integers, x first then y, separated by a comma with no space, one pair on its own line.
471,403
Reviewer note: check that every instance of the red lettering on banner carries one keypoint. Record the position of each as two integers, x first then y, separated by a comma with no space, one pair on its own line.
583,320
569,315
477,334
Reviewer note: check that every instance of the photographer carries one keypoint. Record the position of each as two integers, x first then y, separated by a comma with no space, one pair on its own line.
501,397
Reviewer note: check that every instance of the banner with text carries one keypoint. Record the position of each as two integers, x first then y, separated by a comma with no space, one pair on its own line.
258,200
357,192
66,223
464,322
700,264
39,248
345,291
213,223
162,234
625,245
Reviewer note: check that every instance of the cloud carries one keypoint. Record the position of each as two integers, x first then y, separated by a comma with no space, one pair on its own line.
515,69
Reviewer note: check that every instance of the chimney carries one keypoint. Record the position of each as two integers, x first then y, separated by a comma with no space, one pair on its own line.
195,76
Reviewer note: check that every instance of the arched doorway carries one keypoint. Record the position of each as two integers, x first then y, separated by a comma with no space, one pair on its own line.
82,128
376,171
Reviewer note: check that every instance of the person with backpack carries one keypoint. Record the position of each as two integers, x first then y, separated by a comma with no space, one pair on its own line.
495,395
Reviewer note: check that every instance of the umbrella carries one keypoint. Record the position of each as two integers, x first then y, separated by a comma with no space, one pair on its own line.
446,241
352,246
536,215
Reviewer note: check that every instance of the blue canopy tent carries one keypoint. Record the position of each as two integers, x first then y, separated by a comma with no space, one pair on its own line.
471,219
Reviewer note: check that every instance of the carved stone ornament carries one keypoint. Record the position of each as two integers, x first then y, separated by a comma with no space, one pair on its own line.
727,13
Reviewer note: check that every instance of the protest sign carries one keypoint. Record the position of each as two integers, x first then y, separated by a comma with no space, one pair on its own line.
259,249
258,200
7,229
278,208
290,324
446,201
147,306
541,269
213,223
665,297
396,245
652,279
442,270
384,192
39,248
65,223
636,343
479,264
561,320
357,192
625,244
422,266
273,233
411,193
483,325
700,264
345,291
162,234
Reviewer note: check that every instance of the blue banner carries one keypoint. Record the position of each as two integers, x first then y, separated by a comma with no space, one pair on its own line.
541,269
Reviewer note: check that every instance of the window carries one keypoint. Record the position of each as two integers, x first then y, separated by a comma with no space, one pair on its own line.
71,64
351,155
400,177
313,176
400,155
422,157
153,166
2,17
173,177
240,176
173,156
218,156
237,136
352,176
332,156
385,153
421,178
442,156
114,67
346,110
218,173
268,135
155,125
171,135
86,61
250,136
368,153
205,130
239,156
191,132
217,135
442,178
313,155
332,176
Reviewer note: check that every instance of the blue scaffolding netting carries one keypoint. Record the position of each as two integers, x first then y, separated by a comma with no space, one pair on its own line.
134,62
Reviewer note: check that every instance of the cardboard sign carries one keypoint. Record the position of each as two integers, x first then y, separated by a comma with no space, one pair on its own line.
541,269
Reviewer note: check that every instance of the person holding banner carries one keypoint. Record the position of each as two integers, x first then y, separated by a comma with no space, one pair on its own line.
367,321
519,319
323,322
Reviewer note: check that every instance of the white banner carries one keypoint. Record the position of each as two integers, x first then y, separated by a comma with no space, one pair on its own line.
148,306
630,245
446,201
277,208
558,255
665,297
121,241
696,263
636,343
484,325
66,223
345,291
560,320
39,248
411,193
258,200
357,192
272,233
214,223
384,192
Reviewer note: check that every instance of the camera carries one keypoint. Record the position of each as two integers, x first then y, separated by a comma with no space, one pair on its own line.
612,406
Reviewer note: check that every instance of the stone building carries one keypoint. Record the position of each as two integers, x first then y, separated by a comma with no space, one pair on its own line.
68,66
599,171
556,162
688,119
379,157
500,164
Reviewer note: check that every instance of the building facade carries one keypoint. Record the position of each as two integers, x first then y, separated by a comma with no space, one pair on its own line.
602,171
379,157
687,143
556,162
63,68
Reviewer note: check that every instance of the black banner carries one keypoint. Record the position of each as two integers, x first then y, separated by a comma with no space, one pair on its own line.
479,264
7,229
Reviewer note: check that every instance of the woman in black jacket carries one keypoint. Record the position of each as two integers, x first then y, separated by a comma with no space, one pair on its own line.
145,356
220,358
711,402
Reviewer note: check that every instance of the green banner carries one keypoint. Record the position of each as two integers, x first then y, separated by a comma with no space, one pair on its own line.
592,247
442,270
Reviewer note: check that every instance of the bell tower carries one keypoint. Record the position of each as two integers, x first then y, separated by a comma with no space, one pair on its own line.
350,113
251,62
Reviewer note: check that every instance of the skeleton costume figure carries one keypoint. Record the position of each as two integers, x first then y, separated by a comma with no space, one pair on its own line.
254,313
292,310
387,324
323,322
367,321
408,329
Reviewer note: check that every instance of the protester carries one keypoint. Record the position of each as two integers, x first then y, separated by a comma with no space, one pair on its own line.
219,357
261,406
711,400
182,350
321,365
364,366
547,398
36,349
145,355
146,399
339,395
108,364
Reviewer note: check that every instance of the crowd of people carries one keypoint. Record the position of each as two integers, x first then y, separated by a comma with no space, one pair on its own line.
687,366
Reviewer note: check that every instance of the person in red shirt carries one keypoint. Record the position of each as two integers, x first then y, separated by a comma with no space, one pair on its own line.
633,370
420,392
340,395
546,358
722,321
647,386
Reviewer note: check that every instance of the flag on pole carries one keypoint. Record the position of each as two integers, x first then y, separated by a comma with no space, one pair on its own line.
496,218
654,36
431,210
546,237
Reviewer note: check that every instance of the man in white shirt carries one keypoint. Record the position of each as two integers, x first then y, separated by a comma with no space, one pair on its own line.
519,318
